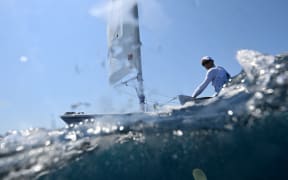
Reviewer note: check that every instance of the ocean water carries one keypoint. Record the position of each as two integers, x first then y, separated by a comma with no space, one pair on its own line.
239,135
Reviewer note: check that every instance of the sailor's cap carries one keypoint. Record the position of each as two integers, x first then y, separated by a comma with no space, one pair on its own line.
206,59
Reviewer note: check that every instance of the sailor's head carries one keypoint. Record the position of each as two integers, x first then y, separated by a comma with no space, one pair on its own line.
207,62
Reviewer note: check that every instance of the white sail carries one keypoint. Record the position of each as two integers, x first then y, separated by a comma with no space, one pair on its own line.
124,44
123,40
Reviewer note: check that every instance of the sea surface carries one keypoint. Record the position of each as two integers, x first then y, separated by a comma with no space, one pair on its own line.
241,134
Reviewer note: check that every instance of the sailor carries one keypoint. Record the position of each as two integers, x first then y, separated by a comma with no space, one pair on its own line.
215,74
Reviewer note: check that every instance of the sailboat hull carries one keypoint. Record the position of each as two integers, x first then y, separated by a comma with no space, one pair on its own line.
75,117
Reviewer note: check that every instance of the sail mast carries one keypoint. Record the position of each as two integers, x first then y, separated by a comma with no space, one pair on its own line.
140,88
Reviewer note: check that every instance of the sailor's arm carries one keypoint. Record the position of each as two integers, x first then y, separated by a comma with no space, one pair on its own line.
203,85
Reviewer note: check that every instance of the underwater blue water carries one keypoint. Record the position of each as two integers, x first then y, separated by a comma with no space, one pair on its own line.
240,135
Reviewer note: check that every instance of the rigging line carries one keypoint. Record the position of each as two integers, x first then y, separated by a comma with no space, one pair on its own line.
156,105
166,99
130,94
127,93
164,103
151,103
158,94
147,100
127,81
171,99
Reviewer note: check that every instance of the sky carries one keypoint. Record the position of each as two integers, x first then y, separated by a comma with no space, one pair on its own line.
53,54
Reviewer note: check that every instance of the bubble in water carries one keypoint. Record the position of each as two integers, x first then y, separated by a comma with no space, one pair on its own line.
272,71
90,131
262,71
37,168
47,143
281,79
258,95
106,129
114,128
56,159
71,136
277,66
234,119
269,91
230,112
178,133
228,127
257,112
251,107
121,128
19,148
97,130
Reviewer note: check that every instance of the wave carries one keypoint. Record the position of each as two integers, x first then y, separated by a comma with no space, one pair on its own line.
240,134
